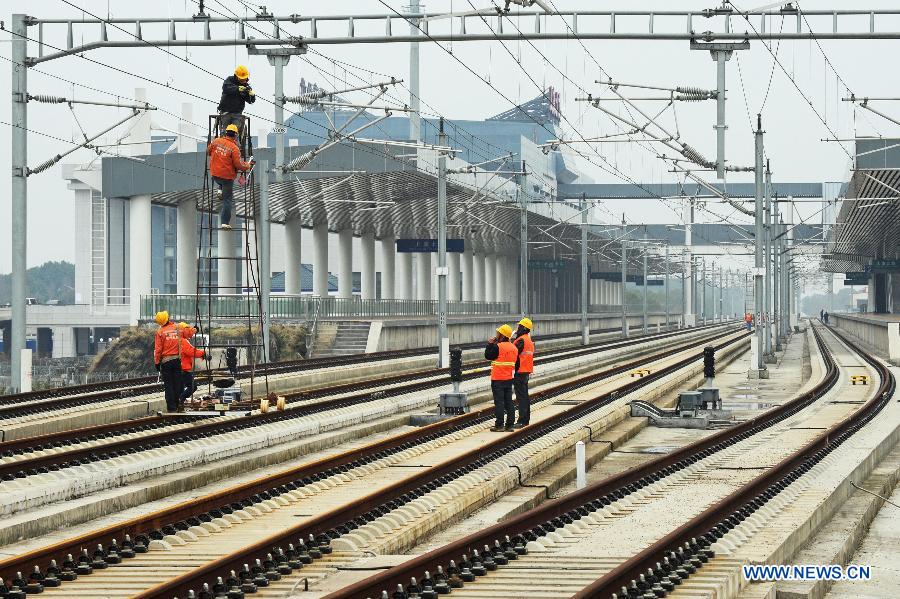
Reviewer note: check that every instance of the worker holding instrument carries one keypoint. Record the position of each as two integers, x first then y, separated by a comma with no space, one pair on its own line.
188,354
502,355
236,94
524,367
224,163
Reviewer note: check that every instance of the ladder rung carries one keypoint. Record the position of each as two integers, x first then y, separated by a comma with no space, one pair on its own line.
228,258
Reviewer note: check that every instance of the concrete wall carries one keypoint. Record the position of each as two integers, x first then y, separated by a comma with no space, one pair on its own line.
878,335
397,334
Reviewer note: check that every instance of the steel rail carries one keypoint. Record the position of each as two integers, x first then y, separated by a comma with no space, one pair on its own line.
196,511
332,524
149,384
210,426
714,522
555,513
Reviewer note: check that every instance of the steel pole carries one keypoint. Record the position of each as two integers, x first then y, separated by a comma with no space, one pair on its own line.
19,196
721,295
415,118
687,291
767,305
279,62
644,307
265,252
776,276
523,244
624,281
759,263
443,336
585,329
721,56
667,285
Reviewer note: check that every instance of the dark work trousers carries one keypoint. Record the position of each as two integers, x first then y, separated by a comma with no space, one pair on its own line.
503,403
171,376
520,383
227,186
187,384
231,118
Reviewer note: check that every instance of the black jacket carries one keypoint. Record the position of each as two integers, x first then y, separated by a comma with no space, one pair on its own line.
491,351
233,99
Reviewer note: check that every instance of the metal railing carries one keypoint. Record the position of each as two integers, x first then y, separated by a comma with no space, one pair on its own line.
301,307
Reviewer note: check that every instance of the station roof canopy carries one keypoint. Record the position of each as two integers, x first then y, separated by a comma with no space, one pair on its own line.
866,226
380,193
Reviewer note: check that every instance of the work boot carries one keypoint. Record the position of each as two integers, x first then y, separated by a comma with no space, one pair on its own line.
509,428
520,425
497,429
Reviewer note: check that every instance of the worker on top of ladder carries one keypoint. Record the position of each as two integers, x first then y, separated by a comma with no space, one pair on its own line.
236,93
224,164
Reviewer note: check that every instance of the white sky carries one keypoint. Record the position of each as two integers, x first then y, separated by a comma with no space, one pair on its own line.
793,131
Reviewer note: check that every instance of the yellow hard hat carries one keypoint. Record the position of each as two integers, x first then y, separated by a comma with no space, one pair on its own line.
526,322
162,317
183,324
232,127
241,72
505,330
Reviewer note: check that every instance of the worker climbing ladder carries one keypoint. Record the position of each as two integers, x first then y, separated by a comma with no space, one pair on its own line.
238,297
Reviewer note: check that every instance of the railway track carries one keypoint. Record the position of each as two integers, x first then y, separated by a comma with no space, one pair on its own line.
48,453
50,401
202,520
541,553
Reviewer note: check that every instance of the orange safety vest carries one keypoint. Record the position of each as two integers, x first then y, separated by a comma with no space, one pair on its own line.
502,368
526,356
167,342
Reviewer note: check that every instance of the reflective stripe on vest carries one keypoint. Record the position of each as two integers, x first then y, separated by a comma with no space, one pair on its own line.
526,356
502,368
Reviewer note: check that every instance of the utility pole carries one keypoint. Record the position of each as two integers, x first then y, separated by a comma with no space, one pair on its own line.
644,319
624,279
415,118
760,370
442,270
776,275
19,196
585,329
687,290
265,253
667,285
523,243
701,282
769,354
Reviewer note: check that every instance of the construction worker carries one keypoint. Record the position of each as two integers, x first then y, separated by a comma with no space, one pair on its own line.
524,367
224,164
167,357
502,355
188,354
748,321
236,92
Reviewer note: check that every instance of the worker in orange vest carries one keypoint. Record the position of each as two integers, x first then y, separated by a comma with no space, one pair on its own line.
524,368
224,164
748,320
167,357
502,355
188,354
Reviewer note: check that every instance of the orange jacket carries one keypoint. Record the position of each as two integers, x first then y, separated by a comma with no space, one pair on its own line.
502,368
526,354
166,342
188,353
225,158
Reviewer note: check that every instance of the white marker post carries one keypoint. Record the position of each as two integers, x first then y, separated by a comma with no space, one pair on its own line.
580,475
26,371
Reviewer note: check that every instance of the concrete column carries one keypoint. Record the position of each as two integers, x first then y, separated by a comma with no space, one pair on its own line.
479,265
63,342
512,284
453,263
186,244
227,268
490,278
388,246
501,279
139,262
292,256
320,260
367,268
345,263
423,276
467,276
403,283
